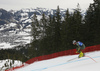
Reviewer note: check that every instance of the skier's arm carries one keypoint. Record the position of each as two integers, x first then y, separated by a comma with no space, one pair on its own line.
78,48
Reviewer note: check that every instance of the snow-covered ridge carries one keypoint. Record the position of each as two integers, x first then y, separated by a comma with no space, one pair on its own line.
15,25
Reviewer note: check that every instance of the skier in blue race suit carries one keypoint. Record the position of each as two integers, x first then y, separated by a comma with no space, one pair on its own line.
80,47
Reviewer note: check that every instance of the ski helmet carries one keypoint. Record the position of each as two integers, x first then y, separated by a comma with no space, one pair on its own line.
74,41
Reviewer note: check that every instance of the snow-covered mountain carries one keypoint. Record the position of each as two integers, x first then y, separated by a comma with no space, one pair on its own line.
15,25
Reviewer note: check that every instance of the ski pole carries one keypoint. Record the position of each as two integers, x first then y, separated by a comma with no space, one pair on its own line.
91,58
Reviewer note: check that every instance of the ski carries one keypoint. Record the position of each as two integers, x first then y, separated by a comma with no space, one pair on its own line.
72,59
81,57
75,58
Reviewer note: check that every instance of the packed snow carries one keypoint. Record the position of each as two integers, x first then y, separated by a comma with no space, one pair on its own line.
91,62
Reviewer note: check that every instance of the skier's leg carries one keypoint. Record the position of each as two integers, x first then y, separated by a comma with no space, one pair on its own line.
83,51
81,54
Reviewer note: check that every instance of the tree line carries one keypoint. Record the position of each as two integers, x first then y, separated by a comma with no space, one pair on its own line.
53,34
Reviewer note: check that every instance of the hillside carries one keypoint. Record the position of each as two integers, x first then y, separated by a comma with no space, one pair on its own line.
62,63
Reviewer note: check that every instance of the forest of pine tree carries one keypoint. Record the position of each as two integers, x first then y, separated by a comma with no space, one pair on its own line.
56,34
53,34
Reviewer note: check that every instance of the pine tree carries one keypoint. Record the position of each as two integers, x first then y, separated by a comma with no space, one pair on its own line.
57,29
44,23
93,23
50,27
35,27
97,20
64,31
35,32
75,24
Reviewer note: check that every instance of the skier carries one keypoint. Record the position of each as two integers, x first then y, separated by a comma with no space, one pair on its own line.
80,48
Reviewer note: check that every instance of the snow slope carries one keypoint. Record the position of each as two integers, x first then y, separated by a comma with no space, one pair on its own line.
91,63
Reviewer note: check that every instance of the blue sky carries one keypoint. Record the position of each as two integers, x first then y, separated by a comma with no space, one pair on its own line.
52,4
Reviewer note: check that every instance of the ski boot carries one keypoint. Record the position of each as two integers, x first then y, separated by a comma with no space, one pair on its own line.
81,54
